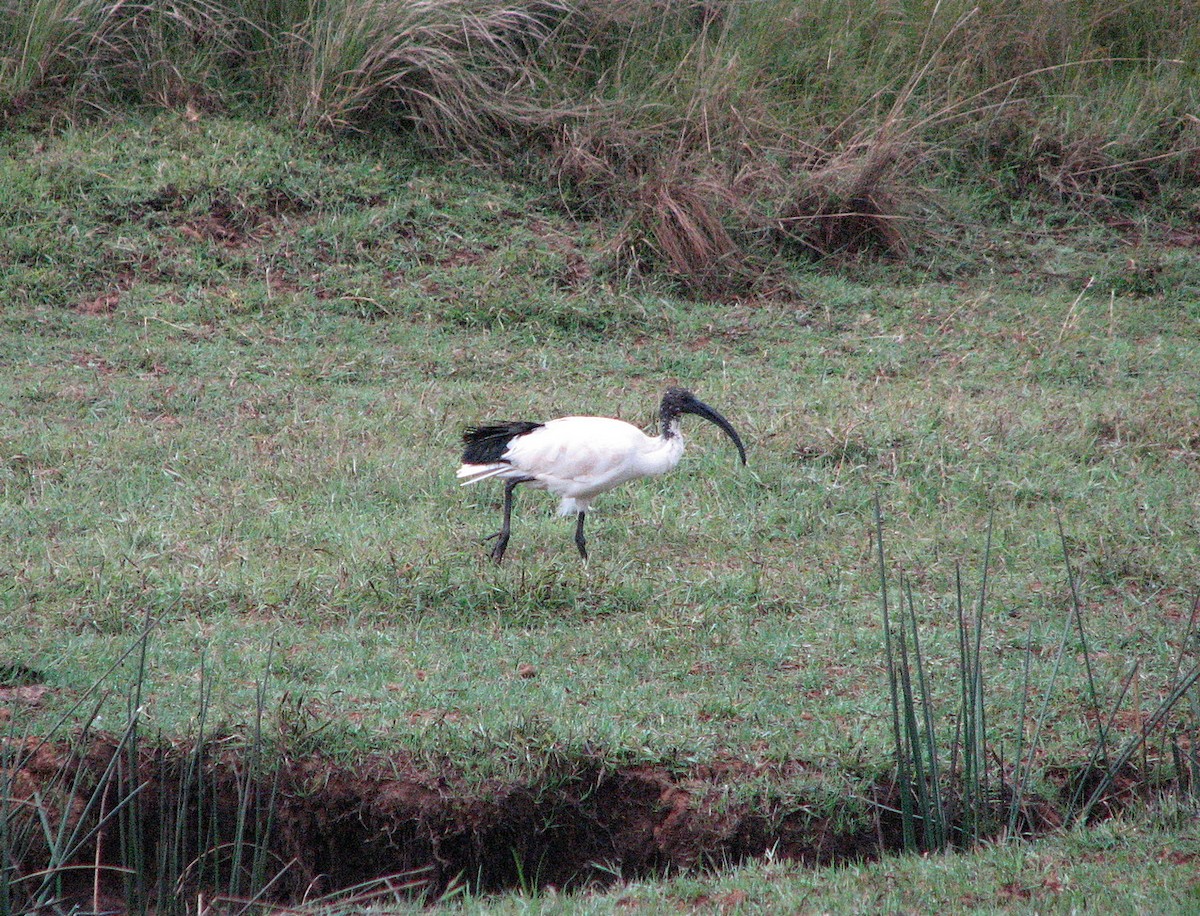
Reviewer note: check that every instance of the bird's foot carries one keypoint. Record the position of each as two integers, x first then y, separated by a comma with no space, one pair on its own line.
497,553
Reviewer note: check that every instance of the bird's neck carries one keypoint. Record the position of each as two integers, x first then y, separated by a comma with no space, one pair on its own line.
668,422
668,447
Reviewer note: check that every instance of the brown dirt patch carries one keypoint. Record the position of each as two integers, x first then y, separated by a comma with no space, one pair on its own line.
321,826
312,826
106,303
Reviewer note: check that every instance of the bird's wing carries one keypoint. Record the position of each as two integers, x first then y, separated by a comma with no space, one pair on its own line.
579,456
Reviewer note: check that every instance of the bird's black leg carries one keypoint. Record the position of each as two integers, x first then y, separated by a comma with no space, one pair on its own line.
506,528
580,541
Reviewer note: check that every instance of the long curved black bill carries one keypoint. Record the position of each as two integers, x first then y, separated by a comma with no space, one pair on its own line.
700,409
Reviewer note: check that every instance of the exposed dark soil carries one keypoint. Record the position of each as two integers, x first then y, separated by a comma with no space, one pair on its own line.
317,827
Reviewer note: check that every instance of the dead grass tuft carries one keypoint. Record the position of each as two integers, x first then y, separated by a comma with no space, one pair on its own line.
678,213
690,238
447,67
861,200
591,158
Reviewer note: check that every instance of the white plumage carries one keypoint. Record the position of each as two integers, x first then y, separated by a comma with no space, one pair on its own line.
578,458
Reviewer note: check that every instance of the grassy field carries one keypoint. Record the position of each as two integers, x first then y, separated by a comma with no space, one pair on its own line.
260,264
239,363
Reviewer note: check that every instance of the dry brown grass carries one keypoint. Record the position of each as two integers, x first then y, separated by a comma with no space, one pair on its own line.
685,224
859,200
444,66
677,211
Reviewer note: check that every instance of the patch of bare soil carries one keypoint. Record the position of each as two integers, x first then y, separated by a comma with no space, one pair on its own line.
185,819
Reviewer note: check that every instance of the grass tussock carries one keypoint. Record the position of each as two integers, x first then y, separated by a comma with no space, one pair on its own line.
857,202
47,45
441,66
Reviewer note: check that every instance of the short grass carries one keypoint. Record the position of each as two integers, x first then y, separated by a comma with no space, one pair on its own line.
238,361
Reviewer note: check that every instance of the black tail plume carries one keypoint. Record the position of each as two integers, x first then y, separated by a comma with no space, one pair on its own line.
487,444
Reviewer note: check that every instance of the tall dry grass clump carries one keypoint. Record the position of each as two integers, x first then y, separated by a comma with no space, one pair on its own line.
673,148
452,68
457,70
47,44
101,53
854,202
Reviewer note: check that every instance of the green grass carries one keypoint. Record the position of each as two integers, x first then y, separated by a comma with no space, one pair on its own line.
240,457
238,361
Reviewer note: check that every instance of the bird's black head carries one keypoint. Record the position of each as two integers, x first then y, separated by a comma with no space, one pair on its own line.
678,401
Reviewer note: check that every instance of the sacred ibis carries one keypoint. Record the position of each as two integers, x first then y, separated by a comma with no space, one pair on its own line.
578,458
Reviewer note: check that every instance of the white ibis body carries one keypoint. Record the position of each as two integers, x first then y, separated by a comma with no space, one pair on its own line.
578,458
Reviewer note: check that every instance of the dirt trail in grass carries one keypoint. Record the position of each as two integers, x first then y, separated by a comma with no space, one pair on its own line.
311,827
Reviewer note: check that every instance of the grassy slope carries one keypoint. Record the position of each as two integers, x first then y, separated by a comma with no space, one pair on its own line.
241,361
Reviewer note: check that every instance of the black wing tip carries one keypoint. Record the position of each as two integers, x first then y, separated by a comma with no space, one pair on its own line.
487,444
504,430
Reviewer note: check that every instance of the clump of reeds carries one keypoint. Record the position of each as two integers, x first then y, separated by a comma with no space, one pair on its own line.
961,790
79,832
444,66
